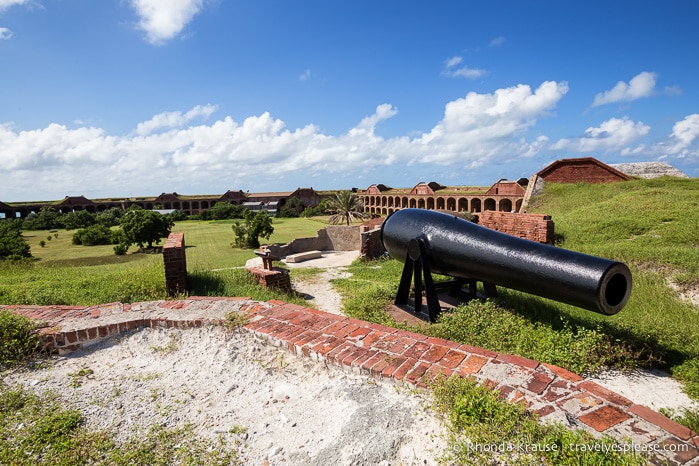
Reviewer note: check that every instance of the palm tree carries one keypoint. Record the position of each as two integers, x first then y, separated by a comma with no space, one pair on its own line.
345,207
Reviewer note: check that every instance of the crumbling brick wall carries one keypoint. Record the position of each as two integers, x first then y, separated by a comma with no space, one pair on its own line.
535,227
175,264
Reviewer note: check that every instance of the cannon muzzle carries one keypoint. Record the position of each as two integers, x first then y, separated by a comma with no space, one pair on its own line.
458,248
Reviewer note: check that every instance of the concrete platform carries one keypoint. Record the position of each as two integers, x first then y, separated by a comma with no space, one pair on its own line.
302,256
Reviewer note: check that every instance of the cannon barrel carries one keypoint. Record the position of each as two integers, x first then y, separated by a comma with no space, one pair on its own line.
462,249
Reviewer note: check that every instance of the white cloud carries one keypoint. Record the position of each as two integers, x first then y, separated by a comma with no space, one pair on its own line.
451,70
5,4
641,85
613,134
170,152
5,33
383,112
306,75
168,120
498,41
453,61
480,126
684,133
162,20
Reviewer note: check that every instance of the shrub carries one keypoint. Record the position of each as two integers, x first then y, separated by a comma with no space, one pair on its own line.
120,249
12,244
110,217
94,235
256,226
46,219
222,211
78,219
18,341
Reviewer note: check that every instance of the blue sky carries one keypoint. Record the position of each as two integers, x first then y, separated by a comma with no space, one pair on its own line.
138,97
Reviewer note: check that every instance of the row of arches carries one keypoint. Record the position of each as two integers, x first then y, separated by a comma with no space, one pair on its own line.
384,205
188,207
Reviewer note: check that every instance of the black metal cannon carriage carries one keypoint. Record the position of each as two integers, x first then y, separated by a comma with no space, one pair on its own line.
435,242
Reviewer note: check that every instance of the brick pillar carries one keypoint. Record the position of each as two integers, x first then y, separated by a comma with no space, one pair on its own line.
175,264
273,278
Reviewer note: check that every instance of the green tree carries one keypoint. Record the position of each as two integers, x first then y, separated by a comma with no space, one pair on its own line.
345,207
317,211
145,227
46,219
77,219
12,244
222,211
292,208
258,225
94,235
110,217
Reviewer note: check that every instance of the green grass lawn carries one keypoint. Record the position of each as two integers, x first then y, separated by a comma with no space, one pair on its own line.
63,273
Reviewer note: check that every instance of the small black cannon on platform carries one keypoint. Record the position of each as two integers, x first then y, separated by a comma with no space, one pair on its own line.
434,242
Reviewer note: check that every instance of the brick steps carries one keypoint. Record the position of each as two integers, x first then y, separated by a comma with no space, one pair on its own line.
388,353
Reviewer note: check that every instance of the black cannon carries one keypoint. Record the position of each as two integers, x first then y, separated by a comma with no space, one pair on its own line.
434,242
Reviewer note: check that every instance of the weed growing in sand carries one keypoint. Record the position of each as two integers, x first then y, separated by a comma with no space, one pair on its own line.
484,429
77,378
235,320
170,347
237,429
36,429
147,376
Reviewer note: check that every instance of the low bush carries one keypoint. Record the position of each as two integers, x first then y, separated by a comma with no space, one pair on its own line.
18,340
95,235
485,324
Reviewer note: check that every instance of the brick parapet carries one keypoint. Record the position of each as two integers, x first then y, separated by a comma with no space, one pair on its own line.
554,393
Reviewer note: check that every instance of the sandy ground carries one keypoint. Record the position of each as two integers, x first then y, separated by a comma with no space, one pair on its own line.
280,409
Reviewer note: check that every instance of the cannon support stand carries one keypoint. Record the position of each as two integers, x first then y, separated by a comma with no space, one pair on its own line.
416,269
416,261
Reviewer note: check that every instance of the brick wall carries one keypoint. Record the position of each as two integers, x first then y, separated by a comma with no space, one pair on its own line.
175,264
534,227
575,173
